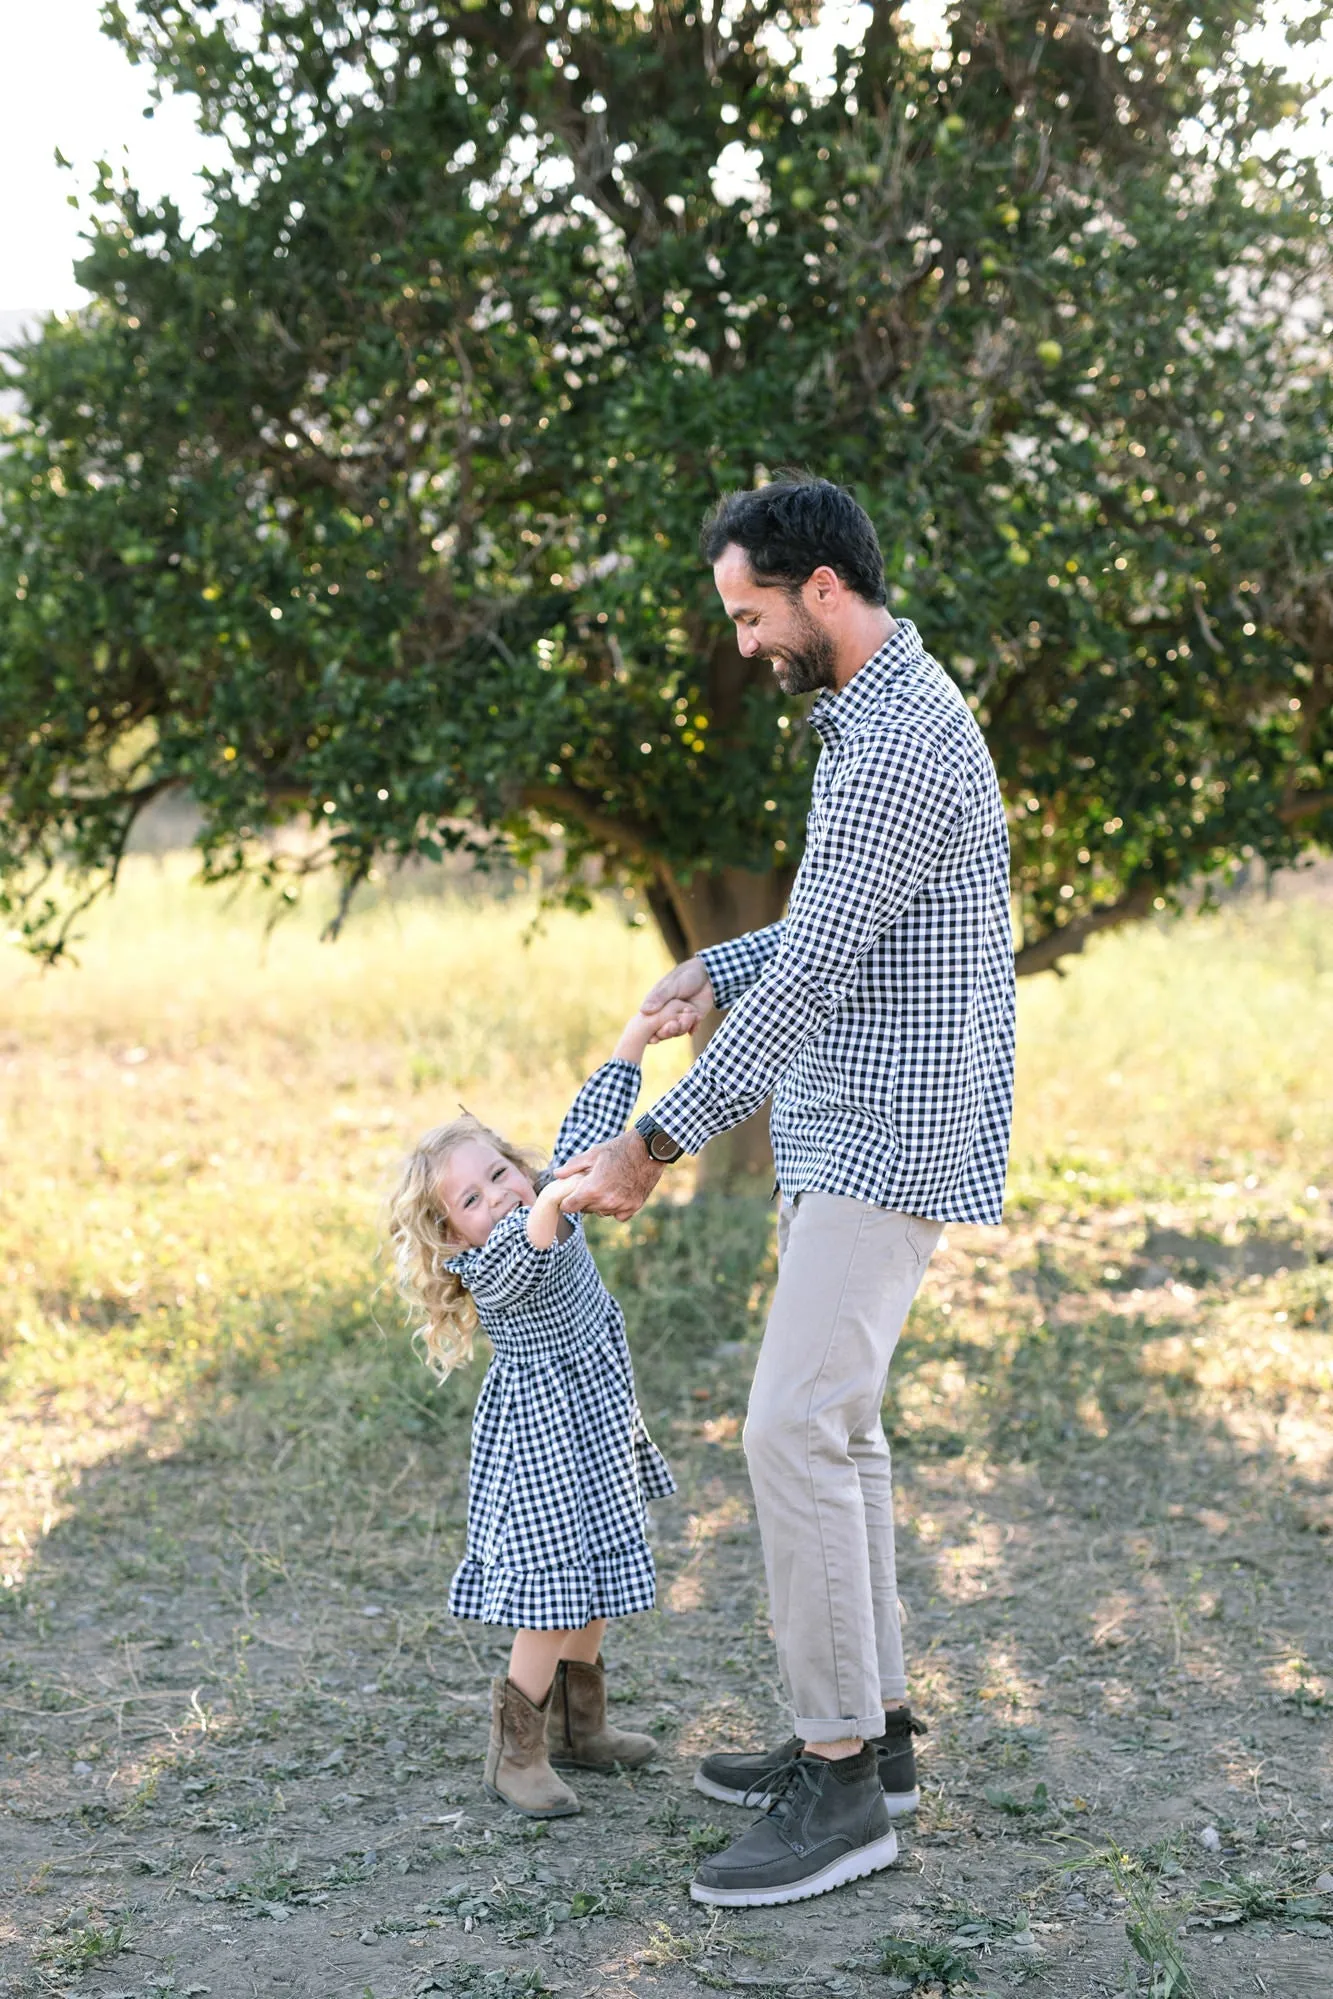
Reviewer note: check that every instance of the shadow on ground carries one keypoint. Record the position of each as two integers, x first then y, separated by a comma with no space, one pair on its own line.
242,1738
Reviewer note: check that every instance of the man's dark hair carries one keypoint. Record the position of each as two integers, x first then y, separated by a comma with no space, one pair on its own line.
794,526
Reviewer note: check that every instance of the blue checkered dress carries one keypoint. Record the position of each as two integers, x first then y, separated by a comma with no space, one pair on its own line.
561,1461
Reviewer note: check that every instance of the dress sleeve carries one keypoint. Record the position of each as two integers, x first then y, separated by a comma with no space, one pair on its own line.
506,1267
600,1110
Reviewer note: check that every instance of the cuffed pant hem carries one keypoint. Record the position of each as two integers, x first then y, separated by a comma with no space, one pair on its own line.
893,1690
867,1726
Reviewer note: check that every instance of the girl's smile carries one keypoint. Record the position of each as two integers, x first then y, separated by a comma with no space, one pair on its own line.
477,1187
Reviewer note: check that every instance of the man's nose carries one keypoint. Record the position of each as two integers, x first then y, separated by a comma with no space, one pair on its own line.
748,643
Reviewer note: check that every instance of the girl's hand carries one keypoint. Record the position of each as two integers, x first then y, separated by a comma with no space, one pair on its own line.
544,1216
546,1221
676,1017
686,989
564,1188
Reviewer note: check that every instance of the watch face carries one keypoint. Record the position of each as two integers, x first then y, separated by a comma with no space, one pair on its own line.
660,1147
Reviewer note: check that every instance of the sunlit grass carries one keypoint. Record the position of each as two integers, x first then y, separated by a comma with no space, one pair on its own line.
201,1121
200,1116
1185,1051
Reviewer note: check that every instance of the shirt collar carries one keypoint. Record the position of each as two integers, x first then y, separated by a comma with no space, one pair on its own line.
834,714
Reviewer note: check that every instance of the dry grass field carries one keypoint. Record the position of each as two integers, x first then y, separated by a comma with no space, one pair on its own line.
240,1736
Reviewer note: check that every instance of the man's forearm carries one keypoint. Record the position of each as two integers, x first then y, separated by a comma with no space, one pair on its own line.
883,827
742,1063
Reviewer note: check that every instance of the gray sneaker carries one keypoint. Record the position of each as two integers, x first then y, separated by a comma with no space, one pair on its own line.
744,1779
828,1824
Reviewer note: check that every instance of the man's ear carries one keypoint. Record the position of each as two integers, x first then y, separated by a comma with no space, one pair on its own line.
824,585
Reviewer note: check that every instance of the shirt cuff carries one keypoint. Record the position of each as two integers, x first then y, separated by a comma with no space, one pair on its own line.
738,964
730,969
690,1113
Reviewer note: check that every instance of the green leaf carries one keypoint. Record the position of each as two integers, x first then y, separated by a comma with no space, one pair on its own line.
1080,414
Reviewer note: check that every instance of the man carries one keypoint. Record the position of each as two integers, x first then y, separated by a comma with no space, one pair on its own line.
879,1013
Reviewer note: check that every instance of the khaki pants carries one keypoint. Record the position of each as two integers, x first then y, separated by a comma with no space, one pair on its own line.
819,1459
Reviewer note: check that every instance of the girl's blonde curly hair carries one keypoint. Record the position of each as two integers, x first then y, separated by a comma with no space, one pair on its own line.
422,1243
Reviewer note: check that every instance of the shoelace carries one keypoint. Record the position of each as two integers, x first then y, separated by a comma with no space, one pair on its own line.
779,1782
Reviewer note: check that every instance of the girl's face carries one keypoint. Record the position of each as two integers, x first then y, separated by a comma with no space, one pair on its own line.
476,1187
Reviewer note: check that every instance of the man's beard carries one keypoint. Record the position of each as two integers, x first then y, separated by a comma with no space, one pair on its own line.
809,664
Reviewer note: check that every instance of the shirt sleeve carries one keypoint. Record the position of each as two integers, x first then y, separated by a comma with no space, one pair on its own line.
733,967
872,840
506,1267
600,1110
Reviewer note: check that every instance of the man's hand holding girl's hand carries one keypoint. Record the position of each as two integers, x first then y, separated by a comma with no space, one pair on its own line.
675,1020
645,1028
680,999
614,1178
547,1211
617,1177
674,1006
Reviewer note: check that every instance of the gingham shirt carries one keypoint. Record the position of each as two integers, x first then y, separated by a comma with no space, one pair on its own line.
880,1012
561,1461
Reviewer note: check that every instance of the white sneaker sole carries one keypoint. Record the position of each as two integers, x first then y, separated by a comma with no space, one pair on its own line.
897,1803
853,1866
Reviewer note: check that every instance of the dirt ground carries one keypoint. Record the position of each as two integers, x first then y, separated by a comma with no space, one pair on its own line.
242,1739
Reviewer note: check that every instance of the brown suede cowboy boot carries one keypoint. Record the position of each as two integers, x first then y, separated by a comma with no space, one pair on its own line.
518,1771
578,1736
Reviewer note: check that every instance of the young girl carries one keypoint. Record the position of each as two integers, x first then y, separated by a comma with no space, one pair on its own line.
561,1461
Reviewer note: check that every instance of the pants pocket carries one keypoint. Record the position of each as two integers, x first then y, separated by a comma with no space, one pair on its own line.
922,1237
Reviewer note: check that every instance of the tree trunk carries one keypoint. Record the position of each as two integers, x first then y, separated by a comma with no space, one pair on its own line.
710,909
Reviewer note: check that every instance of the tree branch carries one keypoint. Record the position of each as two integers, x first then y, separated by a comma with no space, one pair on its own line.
1305,805
625,835
667,918
1070,938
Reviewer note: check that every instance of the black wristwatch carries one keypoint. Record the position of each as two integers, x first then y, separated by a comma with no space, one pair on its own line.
661,1148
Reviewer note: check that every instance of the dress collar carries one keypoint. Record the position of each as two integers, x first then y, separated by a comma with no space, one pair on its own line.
834,714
